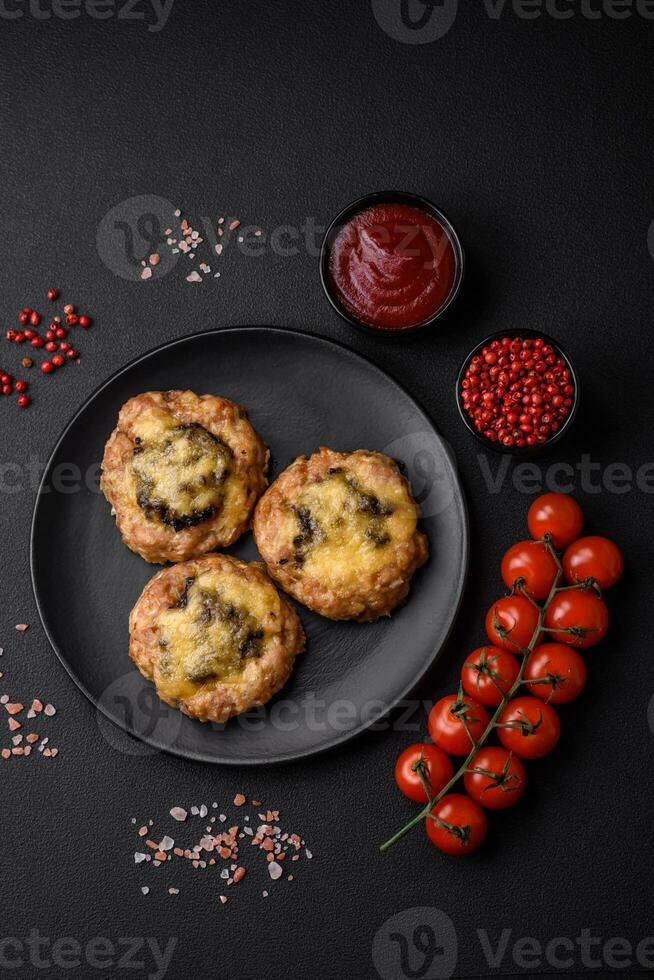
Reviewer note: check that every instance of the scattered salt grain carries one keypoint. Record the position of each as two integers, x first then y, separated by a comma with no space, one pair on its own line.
145,889
21,627
274,870
178,813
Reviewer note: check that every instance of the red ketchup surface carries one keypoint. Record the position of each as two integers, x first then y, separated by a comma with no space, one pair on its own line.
392,266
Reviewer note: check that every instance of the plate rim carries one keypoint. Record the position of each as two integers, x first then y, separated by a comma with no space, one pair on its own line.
343,737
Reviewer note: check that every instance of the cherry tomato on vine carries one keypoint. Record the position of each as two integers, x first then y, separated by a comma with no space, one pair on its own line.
499,780
511,622
488,673
532,562
535,728
564,670
593,557
579,610
437,768
457,825
448,720
556,514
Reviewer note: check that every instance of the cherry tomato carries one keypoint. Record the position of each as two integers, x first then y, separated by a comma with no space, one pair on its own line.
488,673
511,622
499,781
593,557
437,768
532,562
535,728
579,610
556,514
448,720
562,667
457,825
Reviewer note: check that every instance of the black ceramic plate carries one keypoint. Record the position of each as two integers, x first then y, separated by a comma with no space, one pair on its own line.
301,392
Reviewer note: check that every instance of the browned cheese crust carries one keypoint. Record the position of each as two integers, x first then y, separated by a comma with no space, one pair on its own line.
214,636
338,531
182,473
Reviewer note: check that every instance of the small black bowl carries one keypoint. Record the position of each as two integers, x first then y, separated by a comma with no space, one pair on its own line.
518,450
389,197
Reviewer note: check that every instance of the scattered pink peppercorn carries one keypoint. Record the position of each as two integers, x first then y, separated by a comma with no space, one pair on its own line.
85,321
72,319
24,401
58,360
47,367
20,387
35,318
69,308
53,294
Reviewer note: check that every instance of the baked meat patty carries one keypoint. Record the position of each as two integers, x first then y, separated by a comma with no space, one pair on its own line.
338,531
182,473
215,636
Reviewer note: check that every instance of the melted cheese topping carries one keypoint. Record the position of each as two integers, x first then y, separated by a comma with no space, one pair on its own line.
219,624
179,471
339,527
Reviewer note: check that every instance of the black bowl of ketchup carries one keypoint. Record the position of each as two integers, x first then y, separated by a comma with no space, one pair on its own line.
391,263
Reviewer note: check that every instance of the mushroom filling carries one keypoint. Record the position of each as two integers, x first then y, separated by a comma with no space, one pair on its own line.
205,636
180,475
338,508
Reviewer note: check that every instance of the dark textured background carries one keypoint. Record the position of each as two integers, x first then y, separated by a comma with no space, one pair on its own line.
533,137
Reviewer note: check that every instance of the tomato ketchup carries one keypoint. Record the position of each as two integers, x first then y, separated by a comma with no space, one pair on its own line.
392,266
